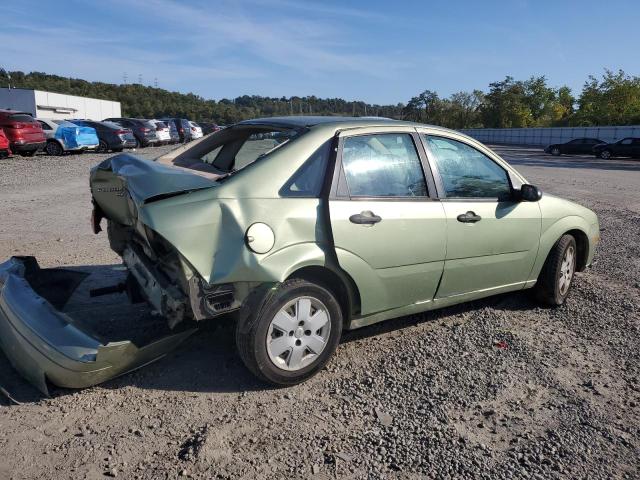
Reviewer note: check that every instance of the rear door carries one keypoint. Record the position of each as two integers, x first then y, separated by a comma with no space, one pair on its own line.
388,229
492,239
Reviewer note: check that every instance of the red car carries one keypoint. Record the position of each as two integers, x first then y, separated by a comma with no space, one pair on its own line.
5,151
23,131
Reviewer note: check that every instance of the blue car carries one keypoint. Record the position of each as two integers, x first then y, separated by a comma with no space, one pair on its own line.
63,136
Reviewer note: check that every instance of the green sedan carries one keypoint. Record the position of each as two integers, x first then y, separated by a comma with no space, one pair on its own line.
307,226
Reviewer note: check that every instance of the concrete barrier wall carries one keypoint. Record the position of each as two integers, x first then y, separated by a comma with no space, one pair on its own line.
547,136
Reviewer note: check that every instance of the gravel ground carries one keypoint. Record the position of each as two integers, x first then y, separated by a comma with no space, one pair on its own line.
498,388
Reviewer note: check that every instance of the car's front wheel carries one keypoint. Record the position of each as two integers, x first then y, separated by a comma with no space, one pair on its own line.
605,154
293,335
555,151
557,274
54,148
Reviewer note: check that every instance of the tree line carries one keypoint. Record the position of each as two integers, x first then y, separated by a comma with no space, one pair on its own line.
613,99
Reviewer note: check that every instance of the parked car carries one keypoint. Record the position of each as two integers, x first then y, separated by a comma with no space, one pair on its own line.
196,130
575,146
111,136
173,132
627,147
23,131
5,151
182,126
208,127
162,130
339,226
64,136
143,130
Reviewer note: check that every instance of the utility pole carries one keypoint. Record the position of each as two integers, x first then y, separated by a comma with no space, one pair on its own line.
155,82
124,77
140,78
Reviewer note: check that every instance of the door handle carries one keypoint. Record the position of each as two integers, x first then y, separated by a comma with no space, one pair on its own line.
469,217
366,217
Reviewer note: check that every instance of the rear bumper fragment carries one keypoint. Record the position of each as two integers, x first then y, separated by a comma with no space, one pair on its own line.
44,344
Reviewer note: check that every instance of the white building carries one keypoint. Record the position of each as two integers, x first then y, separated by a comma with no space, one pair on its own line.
57,105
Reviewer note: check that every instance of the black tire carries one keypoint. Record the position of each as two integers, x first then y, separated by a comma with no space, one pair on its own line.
252,332
103,147
117,150
549,287
54,148
605,154
555,151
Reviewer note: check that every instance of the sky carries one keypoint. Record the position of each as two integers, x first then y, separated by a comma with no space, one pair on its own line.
378,51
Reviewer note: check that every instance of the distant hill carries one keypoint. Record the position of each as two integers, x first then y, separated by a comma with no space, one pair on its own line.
149,102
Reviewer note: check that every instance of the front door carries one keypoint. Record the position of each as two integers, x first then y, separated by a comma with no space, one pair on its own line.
624,148
492,240
388,232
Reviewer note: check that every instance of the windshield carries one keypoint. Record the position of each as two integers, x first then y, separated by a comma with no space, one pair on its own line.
113,125
21,117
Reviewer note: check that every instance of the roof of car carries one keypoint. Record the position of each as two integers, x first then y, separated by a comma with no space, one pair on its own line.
339,122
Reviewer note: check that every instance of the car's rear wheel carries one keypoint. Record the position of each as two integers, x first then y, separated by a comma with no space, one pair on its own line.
555,151
556,277
54,148
103,147
605,154
293,335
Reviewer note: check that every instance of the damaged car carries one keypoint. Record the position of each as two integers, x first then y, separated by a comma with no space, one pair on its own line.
302,227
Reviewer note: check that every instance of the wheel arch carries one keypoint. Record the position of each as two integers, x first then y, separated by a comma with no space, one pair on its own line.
582,246
572,225
338,282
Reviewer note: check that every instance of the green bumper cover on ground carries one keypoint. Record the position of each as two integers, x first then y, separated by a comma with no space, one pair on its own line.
44,344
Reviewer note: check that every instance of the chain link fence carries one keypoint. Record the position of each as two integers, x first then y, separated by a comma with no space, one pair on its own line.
547,136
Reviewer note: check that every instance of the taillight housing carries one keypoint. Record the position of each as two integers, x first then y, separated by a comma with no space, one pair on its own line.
121,132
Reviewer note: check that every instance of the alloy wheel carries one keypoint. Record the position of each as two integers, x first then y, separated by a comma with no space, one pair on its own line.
53,148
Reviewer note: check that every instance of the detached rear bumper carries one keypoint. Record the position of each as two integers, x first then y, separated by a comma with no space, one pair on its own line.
44,344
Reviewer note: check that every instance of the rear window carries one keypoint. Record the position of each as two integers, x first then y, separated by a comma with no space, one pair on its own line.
260,144
21,117
64,123
112,125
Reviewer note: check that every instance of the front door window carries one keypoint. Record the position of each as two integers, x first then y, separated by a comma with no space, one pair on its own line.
467,172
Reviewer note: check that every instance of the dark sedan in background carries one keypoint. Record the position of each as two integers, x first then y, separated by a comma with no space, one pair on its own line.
182,126
208,127
111,135
143,130
627,147
577,146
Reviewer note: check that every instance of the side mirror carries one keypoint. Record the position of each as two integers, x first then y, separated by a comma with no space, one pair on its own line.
530,193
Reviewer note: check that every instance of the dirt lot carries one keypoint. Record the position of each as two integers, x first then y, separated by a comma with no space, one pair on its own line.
424,396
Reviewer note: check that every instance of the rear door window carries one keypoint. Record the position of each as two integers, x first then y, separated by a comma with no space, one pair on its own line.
383,165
